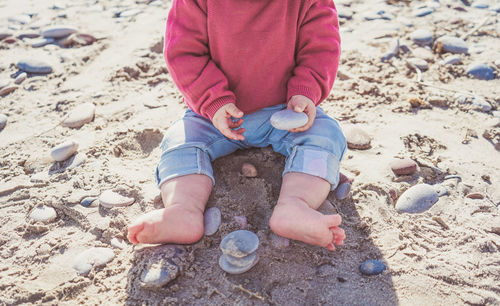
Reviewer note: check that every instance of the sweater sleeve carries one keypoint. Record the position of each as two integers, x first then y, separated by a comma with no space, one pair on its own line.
203,85
317,52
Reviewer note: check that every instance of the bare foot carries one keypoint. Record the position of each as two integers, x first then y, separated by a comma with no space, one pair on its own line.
300,222
174,224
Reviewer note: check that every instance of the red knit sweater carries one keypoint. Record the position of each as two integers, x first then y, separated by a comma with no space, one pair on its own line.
254,53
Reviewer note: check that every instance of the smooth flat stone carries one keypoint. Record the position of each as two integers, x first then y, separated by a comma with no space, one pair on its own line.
481,104
372,267
453,44
357,139
212,219
3,121
424,11
452,60
93,257
38,43
405,166
159,275
248,170
420,63
34,66
58,31
80,115
43,214
110,199
481,71
87,201
417,199
118,243
278,242
422,37
239,243
8,89
232,269
20,78
288,119
342,191
240,261
64,151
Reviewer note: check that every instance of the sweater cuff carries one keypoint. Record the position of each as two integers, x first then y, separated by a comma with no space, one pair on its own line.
216,104
304,91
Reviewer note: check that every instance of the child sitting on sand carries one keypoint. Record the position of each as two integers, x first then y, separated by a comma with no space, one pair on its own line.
236,63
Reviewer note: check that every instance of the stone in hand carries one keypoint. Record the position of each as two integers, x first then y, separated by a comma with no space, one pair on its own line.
288,119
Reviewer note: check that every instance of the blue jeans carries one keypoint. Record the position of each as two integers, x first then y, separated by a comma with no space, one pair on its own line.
193,142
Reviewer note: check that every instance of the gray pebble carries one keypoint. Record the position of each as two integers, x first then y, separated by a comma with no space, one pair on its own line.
480,4
342,191
372,267
212,219
43,214
420,63
452,60
93,257
87,201
64,151
80,115
453,44
422,37
159,275
34,66
481,71
58,31
417,199
3,121
38,43
423,11
288,119
232,269
110,199
478,48
240,243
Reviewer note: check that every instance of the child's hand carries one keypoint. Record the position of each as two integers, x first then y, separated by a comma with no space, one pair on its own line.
223,122
303,104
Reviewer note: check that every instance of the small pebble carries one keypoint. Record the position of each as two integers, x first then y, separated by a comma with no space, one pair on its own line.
241,221
8,89
87,201
239,243
405,166
64,151
3,121
481,104
419,63
248,170
93,257
453,44
357,139
422,37
424,11
288,119
118,243
342,191
34,66
110,199
452,60
80,115
58,31
480,4
372,267
43,214
232,269
159,275
212,219
417,199
480,71
20,78
29,35
4,35
278,242
475,196
38,43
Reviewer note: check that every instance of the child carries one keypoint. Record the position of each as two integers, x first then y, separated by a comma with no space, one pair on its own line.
237,62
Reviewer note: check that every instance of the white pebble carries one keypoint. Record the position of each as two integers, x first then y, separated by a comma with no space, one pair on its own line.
80,115
110,199
43,214
64,150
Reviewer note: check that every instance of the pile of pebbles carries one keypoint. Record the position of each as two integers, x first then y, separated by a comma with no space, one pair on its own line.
239,252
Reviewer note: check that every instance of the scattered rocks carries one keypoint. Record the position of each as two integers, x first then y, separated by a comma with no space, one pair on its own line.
372,267
58,31
93,257
87,201
405,166
64,151
481,71
417,199
288,119
452,44
422,37
80,115
357,139
212,219
238,250
43,214
419,63
248,170
110,199
34,66
158,275
278,242
3,121
342,191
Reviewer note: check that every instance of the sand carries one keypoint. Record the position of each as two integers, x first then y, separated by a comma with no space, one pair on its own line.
447,255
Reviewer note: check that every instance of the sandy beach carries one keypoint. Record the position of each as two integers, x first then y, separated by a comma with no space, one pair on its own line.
419,79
